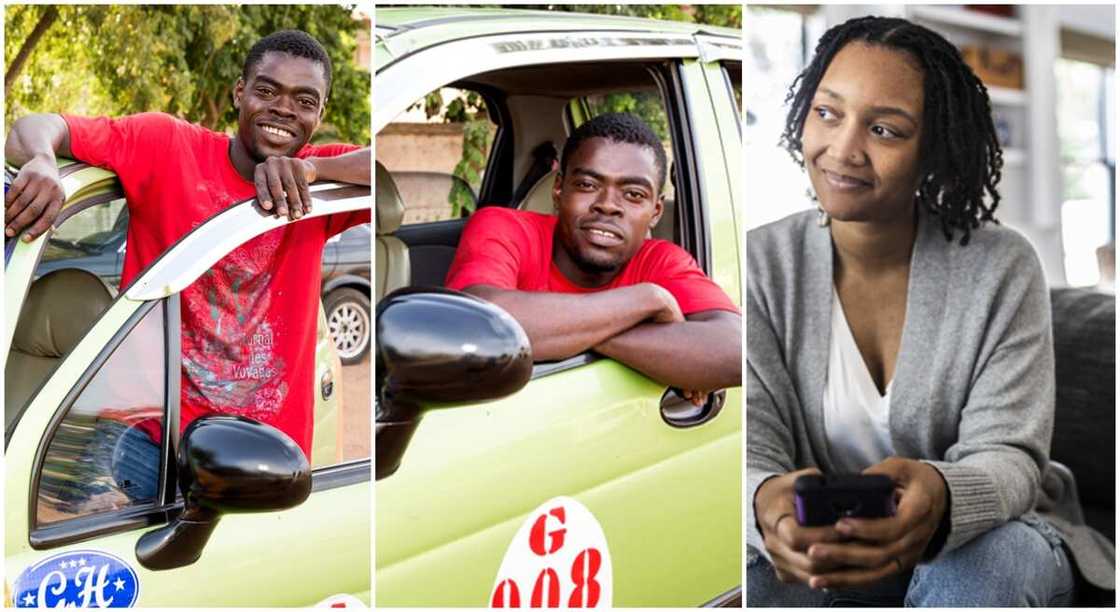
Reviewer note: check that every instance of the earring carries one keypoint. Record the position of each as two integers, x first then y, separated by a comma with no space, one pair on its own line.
822,215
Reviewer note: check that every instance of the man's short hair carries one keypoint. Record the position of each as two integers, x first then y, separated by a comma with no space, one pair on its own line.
292,42
618,127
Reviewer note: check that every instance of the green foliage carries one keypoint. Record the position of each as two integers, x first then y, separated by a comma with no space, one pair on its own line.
180,59
724,15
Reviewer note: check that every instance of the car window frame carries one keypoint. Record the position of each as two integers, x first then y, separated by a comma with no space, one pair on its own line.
169,504
668,50
126,519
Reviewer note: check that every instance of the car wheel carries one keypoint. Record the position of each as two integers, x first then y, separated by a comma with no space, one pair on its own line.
348,320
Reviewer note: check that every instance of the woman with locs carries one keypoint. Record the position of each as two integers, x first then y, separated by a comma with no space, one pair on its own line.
900,330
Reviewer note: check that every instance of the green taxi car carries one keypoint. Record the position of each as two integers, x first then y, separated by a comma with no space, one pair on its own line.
578,483
262,526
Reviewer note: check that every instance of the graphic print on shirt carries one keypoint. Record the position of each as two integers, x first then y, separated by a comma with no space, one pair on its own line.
229,359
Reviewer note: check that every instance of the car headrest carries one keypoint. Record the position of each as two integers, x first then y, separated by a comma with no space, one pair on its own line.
60,307
539,198
390,206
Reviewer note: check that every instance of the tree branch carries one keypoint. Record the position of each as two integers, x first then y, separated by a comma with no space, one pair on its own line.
50,14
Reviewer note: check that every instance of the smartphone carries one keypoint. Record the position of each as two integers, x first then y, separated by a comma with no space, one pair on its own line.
823,500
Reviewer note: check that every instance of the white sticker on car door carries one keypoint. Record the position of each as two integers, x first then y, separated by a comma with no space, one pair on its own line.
559,558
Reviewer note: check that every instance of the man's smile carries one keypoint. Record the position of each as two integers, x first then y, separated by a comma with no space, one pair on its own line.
278,134
602,235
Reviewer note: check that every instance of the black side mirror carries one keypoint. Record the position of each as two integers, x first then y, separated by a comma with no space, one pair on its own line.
226,464
440,345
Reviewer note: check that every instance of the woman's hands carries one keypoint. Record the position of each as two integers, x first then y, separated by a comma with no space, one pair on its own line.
854,552
787,541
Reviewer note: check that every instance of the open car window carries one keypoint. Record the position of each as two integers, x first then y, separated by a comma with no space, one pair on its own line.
538,106
438,153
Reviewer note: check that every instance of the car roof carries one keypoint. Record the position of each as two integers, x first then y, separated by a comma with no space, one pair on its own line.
404,30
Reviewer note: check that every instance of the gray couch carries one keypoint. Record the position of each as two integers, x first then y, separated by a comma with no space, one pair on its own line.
1085,415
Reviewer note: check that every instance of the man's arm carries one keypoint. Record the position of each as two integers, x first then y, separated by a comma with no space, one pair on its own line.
703,352
36,194
352,167
286,180
560,325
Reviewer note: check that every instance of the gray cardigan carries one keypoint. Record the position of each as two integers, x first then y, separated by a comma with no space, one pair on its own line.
973,390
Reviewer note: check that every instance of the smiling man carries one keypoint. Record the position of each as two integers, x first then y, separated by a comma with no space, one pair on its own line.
588,278
249,323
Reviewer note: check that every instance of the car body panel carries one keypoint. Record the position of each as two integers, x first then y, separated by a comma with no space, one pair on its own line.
325,543
296,557
525,449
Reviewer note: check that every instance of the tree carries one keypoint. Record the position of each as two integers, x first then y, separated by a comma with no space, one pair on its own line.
180,59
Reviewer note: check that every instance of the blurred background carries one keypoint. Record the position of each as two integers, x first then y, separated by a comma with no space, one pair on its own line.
182,60
1050,73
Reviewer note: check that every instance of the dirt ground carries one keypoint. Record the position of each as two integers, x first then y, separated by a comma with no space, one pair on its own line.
356,408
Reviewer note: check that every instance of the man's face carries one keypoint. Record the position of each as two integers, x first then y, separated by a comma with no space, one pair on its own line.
281,104
607,199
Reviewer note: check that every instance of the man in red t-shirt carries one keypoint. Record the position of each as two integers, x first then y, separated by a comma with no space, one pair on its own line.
248,324
589,279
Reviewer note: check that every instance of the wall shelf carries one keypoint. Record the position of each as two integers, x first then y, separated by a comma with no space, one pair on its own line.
963,18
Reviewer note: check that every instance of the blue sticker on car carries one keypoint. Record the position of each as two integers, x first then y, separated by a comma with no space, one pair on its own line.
80,578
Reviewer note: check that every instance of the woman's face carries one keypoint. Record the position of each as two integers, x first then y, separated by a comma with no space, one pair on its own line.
862,134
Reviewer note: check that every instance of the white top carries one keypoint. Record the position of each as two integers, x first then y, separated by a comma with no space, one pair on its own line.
856,417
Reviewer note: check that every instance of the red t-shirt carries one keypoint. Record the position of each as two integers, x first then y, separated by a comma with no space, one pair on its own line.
248,323
512,249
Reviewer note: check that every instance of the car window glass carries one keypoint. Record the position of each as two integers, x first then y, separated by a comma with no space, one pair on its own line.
93,232
105,454
436,153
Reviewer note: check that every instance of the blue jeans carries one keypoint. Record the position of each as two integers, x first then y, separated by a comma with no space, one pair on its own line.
1020,563
135,465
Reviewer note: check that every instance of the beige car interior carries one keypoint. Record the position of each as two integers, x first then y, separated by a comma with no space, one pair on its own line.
60,308
393,268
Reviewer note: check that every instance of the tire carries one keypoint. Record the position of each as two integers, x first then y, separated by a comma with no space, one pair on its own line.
348,319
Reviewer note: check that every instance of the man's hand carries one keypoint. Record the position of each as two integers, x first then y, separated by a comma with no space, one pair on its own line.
788,542
34,199
881,547
695,397
283,186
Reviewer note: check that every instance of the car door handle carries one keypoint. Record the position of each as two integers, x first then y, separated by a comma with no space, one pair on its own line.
679,412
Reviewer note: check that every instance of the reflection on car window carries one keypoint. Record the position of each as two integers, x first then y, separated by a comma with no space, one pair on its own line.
89,233
105,454
437,152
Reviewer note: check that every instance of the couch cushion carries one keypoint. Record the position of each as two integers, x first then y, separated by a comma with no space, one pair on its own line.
1085,416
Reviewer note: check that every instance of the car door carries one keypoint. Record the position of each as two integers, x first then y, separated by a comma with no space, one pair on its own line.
68,507
475,477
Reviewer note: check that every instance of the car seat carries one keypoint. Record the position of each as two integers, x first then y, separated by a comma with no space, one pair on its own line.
391,260
60,308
